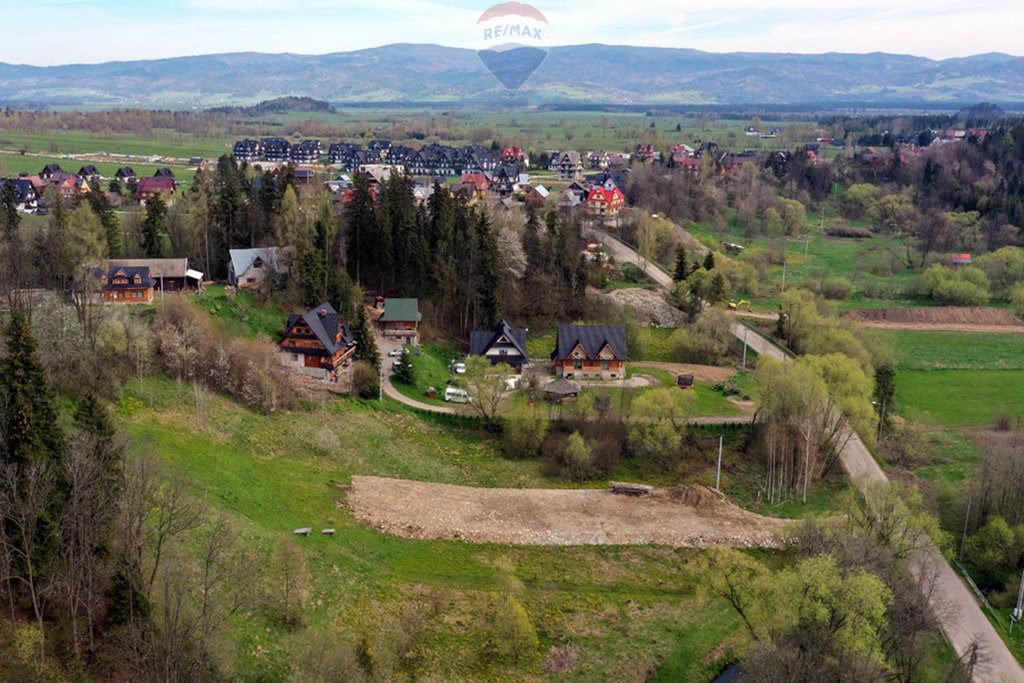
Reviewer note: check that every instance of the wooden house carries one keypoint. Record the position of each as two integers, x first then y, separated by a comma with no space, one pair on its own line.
171,274
591,352
152,187
401,320
503,344
317,342
127,285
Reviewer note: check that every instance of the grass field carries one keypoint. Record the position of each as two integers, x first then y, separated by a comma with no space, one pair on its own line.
243,314
960,397
927,350
273,474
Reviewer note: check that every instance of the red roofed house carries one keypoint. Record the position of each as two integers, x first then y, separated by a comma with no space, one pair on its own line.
961,260
602,201
480,180
151,187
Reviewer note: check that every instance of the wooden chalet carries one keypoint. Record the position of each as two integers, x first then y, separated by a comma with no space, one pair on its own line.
317,342
401,320
171,274
157,186
591,352
127,285
503,344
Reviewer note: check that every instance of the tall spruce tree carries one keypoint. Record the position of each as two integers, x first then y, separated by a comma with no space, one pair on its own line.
154,226
111,224
10,219
366,342
490,276
682,270
360,228
709,261
31,430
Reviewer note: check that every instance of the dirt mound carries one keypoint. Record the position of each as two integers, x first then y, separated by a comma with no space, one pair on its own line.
650,306
693,516
943,315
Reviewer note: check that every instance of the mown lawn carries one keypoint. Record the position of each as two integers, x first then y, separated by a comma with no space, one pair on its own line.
959,397
927,350
431,362
627,609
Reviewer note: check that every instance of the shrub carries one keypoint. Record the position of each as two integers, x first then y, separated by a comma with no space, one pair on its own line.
523,433
836,288
1017,299
365,382
849,231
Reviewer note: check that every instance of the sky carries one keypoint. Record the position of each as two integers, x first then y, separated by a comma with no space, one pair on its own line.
75,31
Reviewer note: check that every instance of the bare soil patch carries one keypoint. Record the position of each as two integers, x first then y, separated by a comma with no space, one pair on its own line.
701,373
956,318
651,307
694,517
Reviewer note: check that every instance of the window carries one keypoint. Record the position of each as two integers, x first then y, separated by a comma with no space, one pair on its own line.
605,365
578,364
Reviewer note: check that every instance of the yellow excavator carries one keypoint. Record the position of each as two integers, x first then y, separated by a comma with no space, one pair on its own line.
738,305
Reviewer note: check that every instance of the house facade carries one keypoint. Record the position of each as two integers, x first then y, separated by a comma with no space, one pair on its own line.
317,342
169,274
503,344
127,285
605,202
250,268
153,187
401,320
591,352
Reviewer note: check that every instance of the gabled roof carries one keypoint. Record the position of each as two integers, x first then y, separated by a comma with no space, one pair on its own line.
325,323
129,272
401,310
592,338
482,340
161,184
158,267
242,259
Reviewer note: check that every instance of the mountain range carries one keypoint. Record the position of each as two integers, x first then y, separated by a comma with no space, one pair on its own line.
605,74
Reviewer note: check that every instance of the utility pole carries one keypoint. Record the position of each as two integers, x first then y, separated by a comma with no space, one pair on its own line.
783,275
1015,617
718,475
745,330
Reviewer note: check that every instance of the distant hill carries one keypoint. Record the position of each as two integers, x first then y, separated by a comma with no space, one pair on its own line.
581,73
280,105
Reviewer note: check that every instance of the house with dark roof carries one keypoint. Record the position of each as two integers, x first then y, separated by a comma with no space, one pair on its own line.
570,166
275,149
401,320
246,150
503,183
125,174
88,171
591,352
503,344
171,274
49,171
164,173
127,285
318,342
26,197
307,152
151,187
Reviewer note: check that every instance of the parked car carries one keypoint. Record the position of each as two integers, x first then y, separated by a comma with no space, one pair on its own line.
684,381
512,383
456,395
396,365
458,368
394,353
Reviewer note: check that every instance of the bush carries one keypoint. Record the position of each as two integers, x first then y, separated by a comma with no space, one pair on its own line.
963,287
849,231
365,382
1017,299
523,433
836,288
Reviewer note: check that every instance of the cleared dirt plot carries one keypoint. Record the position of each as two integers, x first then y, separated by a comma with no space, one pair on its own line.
694,517
954,318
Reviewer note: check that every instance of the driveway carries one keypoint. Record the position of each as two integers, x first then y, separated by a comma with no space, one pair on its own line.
387,371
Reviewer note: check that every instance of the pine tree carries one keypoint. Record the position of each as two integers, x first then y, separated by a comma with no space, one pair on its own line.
10,219
154,225
491,277
93,418
681,272
366,342
360,228
716,290
709,261
111,224
31,430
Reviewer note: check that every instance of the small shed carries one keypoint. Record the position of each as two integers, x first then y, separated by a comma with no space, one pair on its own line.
561,390
961,260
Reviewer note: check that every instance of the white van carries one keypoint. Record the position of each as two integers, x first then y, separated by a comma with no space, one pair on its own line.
456,395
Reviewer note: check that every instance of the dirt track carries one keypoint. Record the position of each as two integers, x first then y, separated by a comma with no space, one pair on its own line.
950,318
556,516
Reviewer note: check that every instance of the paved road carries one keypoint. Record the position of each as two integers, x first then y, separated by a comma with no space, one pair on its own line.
953,602
626,254
387,370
